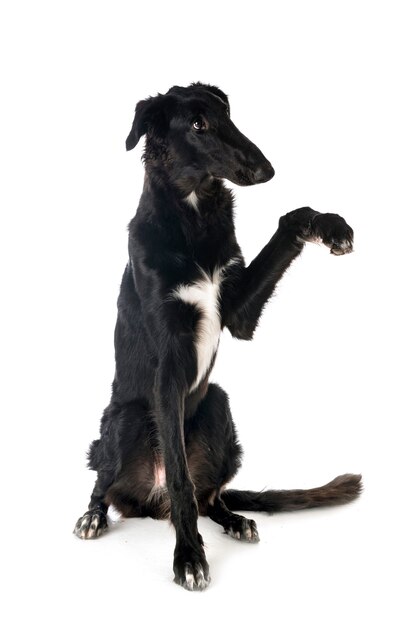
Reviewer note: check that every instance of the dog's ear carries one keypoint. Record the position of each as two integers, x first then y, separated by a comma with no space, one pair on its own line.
216,92
140,123
151,115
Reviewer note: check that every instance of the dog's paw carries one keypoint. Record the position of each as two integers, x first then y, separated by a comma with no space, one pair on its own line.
191,572
243,529
333,231
91,525
327,228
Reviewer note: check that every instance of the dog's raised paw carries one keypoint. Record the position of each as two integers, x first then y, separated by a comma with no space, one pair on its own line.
243,529
342,247
333,231
91,525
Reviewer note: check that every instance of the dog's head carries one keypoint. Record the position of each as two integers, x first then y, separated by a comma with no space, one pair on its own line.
189,131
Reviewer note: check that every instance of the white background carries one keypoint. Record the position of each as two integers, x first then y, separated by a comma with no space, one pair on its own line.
327,90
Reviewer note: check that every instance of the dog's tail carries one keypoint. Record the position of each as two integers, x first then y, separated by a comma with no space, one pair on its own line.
341,490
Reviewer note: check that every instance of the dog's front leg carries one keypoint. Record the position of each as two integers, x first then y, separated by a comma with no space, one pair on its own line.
247,289
191,569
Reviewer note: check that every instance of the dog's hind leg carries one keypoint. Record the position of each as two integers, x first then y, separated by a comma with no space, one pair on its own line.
236,526
103,457
94,521
214,455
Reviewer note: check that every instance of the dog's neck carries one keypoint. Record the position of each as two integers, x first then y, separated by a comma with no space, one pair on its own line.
194,194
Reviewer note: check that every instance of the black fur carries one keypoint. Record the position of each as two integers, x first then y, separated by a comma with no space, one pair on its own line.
160,417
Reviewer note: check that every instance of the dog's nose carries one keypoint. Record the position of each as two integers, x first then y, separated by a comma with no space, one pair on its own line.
263,173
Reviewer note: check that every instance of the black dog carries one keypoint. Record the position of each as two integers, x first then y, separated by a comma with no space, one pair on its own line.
168,445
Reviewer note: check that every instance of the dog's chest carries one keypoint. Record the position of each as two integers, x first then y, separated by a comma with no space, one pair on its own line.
204,295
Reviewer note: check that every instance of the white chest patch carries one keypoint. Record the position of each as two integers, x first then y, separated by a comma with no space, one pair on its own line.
204,294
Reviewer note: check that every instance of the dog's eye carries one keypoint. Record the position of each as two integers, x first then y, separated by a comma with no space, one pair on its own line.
199,124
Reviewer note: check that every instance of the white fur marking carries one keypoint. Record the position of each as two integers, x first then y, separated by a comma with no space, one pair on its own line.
189,578
233,261
248,534
159,476
309,239
317,240
345,245
193,200
204,295
159,493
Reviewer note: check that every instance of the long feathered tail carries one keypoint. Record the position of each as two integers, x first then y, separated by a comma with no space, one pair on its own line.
341,490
